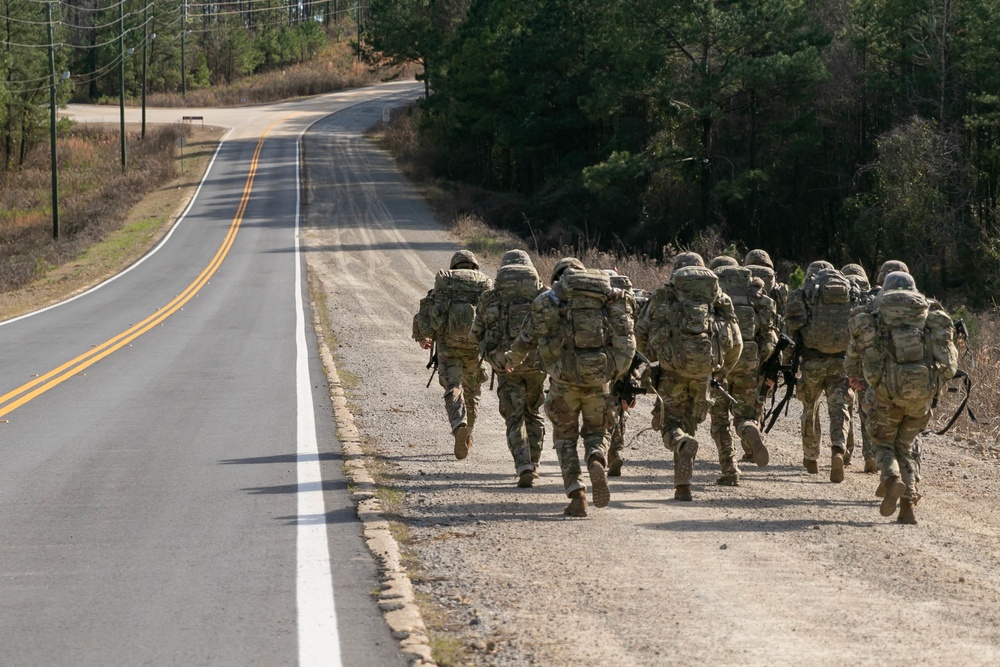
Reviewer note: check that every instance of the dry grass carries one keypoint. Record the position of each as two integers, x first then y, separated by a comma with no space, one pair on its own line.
337,69
982,362
107,220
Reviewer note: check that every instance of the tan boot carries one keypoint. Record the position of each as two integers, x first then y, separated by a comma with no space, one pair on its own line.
837,467
526,479
730,473
615,464
683,492
577,504
871,466
599,482
463,438
812,467
906,514
894,489
880,489
750,435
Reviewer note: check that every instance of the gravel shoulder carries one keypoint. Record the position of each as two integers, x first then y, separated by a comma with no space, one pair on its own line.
785,569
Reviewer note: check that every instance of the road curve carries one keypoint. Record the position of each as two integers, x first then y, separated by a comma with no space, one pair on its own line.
170,487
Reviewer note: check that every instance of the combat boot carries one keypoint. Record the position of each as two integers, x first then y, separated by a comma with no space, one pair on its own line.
615,464
837,467
730,473
463,438
750,436
526,479
880,489
906,514
812,467
577,504
871,466
599,482
894,489
682,492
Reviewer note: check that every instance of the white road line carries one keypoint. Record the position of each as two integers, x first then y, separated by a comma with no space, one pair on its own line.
319,642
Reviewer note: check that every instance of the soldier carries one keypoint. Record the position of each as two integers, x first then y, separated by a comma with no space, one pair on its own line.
445,319
499,316
852,366
759,262
690,327
585,339
859,279
620,404
721,261
817,315
907,352
757,316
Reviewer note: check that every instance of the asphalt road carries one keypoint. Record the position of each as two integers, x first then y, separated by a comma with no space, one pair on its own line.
170,487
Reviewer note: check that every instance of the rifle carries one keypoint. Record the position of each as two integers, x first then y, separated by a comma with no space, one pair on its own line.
772,368
432,363
721,388
789,376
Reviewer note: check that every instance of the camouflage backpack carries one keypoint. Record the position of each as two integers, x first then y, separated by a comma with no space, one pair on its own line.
829,298
422,325
687,335
581,347
515,287
735,282
456,293
906,347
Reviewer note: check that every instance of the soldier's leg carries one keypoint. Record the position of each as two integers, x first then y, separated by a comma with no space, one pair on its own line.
595,407
679,423
473,376
810,388
534,424
562,406
887,417
720,425
837,395
512,394
913,422
851,400
866,406
450,378
744,388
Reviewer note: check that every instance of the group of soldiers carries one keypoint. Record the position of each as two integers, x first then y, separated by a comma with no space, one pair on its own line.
712,343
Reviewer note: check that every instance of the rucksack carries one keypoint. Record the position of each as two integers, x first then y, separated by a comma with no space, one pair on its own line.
456,293
508,305
829,298
735,282
687,334
577,347
423,327
906,345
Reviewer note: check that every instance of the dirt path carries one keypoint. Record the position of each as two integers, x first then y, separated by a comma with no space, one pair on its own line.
786,569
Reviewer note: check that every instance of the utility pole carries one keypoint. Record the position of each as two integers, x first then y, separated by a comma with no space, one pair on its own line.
145,41
52,127
121,79
184,15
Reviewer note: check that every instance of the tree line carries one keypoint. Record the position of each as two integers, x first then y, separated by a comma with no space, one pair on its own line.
168,46
851,130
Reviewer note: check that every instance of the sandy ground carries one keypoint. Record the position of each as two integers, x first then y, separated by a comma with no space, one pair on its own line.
786,569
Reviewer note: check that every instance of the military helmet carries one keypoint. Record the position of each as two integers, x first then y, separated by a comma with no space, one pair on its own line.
463,257
888,267
855,270
758,257
722,260
684,259
563,264
519,257
899,280
816,267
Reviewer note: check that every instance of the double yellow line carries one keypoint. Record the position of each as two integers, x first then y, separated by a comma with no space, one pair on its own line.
14,399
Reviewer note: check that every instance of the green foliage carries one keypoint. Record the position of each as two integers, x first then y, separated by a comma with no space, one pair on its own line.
796,278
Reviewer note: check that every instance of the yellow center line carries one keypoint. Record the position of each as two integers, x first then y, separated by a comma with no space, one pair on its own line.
57,376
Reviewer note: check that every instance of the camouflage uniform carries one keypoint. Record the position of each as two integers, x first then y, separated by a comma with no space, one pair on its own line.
683,400
522,391
760,335
896,420
778,292
859,278
821,372
460,370
619,417
578,403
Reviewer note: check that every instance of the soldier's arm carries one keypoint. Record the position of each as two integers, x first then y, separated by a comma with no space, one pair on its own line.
527,340
479,323
767,326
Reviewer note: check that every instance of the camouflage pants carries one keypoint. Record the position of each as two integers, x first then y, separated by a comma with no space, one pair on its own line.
893,427
860,400
521,395
742,387
566,406
819,375
462,375
684,406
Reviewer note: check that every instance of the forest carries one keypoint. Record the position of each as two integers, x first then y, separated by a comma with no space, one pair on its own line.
93,51
850,130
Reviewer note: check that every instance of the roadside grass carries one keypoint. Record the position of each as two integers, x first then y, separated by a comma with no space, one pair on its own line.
335,69
108,220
